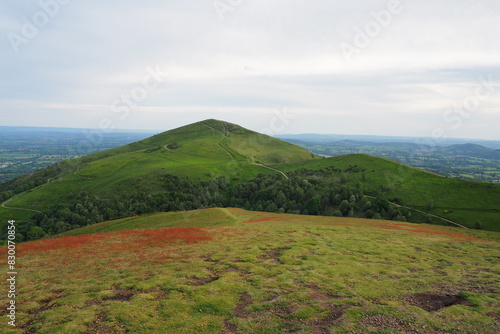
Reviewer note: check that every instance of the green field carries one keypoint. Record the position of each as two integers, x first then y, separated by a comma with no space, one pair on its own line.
236,271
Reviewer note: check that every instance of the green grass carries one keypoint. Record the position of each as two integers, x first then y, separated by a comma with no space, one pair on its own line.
260,273
470,201
202,154
211,148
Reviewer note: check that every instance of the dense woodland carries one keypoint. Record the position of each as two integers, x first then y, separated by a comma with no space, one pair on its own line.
304,192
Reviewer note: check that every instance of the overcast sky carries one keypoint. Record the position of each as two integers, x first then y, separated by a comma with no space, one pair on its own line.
405,68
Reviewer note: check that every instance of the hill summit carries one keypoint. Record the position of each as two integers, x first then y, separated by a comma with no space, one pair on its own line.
201,151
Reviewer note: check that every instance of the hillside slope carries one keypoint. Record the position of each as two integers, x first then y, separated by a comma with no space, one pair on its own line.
234,271
201,151
465,202
164,173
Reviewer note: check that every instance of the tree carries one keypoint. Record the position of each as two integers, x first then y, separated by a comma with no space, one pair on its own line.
314,206
352,199
36,232
280,199
367,206
345,208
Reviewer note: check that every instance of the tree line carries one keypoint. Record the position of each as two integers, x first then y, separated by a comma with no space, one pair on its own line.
304,192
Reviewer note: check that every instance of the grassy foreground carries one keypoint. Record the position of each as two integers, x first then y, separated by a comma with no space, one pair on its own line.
235,271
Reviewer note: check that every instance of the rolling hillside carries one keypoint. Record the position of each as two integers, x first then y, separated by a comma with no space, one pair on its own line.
236,271
464,202
201,151
199,165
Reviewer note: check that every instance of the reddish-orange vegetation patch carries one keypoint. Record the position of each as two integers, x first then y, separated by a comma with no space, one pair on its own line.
427,230
265,219
120,240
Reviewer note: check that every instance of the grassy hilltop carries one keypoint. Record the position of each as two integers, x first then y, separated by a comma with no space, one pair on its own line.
235,271
200,151
210,150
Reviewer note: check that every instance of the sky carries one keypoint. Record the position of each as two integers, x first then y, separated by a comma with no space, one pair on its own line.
417,68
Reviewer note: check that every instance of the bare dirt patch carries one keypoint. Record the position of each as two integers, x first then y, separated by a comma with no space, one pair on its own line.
382,321
245,300
239,312
275,254
494,315
434,302
333,317
316,294
203,281
232,269
95,328
121,295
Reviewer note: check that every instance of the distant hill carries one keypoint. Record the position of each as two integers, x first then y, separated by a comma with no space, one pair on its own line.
469,161
334,138
472,150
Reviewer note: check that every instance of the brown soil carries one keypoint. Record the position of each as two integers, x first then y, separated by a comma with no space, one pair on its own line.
433,302
382,321
95,328
203,281
121,295
239,312
494,315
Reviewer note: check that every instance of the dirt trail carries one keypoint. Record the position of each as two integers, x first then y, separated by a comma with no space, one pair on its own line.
274,169
22,209
430,214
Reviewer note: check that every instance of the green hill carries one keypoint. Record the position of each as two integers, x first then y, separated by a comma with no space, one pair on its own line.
465,202
214,163
235,271
201,151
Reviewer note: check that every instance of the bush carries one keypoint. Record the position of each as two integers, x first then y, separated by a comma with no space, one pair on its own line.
337,213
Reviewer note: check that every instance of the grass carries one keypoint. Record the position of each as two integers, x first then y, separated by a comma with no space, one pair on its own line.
211,148
234,271
205,150
469,201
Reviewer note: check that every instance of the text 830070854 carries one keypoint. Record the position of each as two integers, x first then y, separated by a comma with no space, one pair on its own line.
11,272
